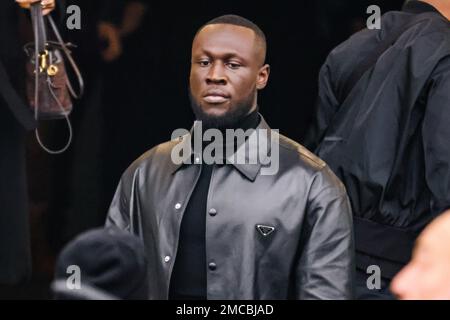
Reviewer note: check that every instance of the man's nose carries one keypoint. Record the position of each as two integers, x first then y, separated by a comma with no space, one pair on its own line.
216,75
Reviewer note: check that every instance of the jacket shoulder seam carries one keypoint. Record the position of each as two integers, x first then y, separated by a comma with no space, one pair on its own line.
308,156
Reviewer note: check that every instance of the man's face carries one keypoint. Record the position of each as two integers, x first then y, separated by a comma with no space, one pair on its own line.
427,276
226,72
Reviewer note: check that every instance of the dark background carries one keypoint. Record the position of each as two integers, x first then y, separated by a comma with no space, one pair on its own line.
136,101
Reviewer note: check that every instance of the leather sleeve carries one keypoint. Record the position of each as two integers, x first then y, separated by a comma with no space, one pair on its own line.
326,264
118,214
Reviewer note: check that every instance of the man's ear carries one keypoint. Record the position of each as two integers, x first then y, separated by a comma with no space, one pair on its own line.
263,77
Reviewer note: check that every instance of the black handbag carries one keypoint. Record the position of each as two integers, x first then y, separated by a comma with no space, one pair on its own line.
49,89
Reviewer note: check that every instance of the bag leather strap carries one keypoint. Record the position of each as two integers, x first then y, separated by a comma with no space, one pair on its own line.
76,70
37,20
40,38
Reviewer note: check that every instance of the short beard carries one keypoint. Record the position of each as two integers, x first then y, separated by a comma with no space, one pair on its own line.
229,120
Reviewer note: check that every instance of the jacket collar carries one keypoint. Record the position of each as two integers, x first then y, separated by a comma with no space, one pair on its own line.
419,7
247,168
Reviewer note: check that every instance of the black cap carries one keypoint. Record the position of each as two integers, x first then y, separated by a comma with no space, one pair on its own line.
112,265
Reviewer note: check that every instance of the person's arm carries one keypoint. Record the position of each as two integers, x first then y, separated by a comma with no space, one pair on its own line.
436,138
326,107
325,266
119,214
47,5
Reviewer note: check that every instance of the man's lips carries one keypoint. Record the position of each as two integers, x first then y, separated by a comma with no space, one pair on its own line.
216,97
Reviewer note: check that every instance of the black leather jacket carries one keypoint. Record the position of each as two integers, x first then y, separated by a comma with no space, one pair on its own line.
303,208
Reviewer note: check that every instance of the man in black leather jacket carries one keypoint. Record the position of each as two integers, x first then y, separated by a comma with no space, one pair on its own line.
279,227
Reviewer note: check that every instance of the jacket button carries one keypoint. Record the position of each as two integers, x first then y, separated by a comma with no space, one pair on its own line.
212,212
166,259
212,266
178,206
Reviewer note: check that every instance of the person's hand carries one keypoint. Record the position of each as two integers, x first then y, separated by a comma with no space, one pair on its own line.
111,34
47,5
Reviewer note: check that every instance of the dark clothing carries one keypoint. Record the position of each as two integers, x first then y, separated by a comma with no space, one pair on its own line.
9,30
15,258
189,272
388,140
78,172
12,60
112,265
15,119
278,228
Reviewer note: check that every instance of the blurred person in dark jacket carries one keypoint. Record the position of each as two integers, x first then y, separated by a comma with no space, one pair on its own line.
105,25
387,136
15,120
102,264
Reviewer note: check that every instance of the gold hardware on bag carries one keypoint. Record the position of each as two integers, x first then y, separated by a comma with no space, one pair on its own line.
43,64
52,70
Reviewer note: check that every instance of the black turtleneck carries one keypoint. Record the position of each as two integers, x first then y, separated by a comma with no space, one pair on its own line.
188,280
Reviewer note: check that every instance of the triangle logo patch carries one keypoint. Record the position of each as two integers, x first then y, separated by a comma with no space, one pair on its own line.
265,230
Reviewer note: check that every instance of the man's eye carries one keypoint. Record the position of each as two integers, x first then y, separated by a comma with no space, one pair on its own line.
233,65
204,63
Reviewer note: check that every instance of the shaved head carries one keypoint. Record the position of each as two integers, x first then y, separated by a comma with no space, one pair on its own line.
230,19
